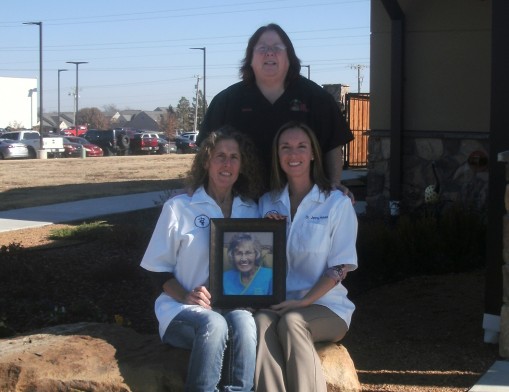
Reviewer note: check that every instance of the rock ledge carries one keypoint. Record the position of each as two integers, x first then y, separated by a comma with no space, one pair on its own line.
111,358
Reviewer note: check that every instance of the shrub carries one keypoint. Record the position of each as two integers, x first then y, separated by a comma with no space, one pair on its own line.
390,249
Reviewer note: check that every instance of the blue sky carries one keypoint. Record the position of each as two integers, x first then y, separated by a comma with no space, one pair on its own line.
138,51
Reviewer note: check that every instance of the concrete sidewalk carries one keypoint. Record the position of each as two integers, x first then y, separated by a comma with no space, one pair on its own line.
496,379
25,218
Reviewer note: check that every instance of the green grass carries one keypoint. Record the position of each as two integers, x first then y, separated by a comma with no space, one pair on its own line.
84,231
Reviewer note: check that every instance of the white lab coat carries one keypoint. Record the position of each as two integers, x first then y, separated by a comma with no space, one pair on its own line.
180,245
322,234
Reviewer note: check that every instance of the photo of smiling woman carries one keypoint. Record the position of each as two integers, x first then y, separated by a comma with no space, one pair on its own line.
247,275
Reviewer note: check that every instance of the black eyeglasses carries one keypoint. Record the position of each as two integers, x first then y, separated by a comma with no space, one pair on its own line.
264,49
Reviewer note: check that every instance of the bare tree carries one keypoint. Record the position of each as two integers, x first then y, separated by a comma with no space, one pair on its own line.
111,108
93,117
16,125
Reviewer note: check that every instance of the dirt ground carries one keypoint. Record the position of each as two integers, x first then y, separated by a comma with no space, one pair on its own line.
422,334
31,182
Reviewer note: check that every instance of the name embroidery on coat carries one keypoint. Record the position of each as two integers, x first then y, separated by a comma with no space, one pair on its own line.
317,219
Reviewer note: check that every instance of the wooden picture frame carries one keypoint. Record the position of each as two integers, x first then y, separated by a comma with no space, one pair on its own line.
266,239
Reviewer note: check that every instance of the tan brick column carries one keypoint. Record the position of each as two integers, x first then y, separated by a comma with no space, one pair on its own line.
504,314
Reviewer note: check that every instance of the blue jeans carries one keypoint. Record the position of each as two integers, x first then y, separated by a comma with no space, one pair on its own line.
223,348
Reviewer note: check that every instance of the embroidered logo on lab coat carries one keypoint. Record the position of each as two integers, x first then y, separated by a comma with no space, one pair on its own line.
202,221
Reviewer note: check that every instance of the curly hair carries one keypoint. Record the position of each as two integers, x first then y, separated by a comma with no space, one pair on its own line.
246,71
249,183
278,178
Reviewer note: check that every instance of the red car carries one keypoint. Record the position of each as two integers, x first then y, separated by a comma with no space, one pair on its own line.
91,149
71,131
72,150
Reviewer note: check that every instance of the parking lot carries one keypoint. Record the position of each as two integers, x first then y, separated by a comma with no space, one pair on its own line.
24,144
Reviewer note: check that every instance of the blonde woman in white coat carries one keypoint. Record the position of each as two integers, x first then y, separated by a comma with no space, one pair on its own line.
321,236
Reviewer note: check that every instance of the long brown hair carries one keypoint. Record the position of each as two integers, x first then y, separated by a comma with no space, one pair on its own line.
278,178
249,183
246,71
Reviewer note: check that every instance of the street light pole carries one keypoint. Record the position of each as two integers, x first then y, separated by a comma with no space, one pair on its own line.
58,116
204,49
196,107
309,70
77,63
40,79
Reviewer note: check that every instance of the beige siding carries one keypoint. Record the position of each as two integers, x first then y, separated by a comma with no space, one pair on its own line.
446,66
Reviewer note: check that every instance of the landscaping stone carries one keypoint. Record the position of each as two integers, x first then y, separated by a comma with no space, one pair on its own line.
110,358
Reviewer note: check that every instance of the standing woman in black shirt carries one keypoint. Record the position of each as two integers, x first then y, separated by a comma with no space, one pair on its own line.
271,93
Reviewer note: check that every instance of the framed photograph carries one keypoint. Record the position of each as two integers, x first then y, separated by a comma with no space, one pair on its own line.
247,262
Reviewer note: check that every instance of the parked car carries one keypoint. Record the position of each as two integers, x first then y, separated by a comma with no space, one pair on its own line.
10,149
128,131
185,144
72,150
52,146
190,135
164,146
71,131
144,142
112,141
91,149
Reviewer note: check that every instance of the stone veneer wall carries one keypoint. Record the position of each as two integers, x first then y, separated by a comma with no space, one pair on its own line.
460,161
504,314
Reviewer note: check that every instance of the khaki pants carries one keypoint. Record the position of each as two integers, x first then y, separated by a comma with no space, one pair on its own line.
286,359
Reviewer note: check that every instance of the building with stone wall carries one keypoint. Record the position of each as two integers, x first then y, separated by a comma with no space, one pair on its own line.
438,114
443,116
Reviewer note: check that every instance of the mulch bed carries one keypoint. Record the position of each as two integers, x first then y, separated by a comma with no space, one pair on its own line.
423,331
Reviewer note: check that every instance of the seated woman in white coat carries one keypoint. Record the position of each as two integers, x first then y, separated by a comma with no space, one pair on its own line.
224,182
320,250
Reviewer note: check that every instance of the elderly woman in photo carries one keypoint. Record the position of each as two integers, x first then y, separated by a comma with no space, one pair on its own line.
247,276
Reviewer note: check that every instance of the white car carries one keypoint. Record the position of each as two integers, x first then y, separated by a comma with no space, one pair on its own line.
190,135
11,149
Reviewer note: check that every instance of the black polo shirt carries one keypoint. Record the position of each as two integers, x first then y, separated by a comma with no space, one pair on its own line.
245,108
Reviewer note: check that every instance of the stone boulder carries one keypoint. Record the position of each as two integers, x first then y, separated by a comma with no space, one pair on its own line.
338,368
110,358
